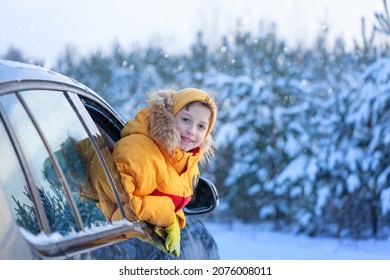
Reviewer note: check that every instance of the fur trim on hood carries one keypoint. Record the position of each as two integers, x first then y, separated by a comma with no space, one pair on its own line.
162,124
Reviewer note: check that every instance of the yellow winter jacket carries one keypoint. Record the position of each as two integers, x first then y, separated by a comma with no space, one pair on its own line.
157,175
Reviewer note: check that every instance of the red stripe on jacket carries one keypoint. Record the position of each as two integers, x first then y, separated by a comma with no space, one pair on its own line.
179,201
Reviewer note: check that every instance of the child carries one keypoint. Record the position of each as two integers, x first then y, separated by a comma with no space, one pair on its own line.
158,156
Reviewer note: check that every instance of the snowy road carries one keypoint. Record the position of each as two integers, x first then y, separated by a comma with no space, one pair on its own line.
252,242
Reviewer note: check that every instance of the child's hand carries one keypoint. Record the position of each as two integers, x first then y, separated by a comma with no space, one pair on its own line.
172,242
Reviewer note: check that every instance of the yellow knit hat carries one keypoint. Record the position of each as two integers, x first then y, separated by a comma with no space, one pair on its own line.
188,95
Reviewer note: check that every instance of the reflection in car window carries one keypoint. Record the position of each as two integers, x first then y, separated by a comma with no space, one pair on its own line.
111,190
63,132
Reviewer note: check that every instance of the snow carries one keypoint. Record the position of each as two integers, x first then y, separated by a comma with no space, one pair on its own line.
255,242
385,199
44,239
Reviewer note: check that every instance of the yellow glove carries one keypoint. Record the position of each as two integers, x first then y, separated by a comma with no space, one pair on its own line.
172,242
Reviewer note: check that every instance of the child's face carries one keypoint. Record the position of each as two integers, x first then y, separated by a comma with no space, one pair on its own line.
192,123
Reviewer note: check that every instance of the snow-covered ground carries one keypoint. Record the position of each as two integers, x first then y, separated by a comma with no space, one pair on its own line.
254,242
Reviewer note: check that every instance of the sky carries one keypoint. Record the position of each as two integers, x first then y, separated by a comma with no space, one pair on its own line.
42,28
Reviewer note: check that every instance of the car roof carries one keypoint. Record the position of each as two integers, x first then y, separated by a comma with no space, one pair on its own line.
18,76
12,72
17,73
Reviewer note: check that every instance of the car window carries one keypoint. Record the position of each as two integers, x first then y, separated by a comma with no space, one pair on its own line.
59,129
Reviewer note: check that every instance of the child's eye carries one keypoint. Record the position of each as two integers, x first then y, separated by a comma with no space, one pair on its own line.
185,119
202,127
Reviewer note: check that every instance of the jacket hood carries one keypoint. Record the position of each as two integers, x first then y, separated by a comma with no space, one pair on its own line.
158,122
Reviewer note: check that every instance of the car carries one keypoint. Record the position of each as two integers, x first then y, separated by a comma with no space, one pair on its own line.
52,130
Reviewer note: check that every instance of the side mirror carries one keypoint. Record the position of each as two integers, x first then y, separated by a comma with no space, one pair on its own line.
204,200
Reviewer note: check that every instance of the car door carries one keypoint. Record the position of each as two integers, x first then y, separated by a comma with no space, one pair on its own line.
45,180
